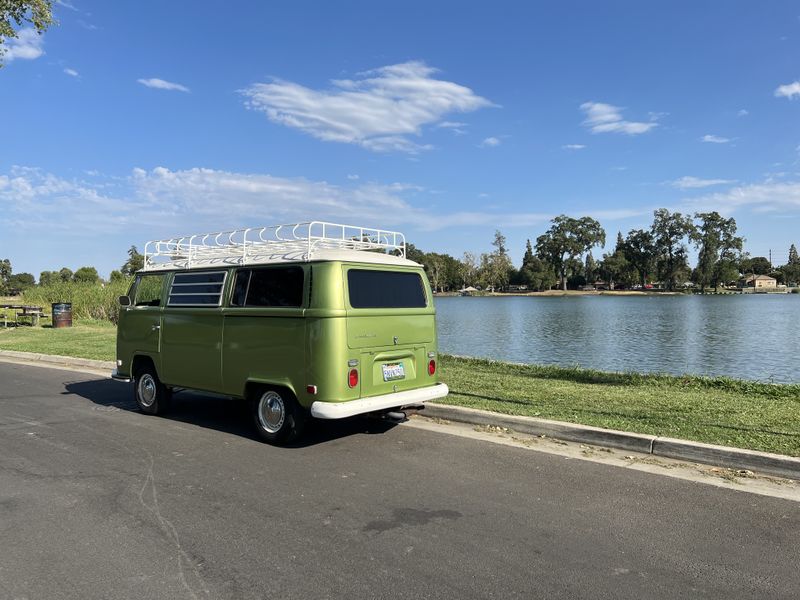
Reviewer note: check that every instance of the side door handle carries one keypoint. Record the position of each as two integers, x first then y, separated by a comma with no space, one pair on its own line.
156,327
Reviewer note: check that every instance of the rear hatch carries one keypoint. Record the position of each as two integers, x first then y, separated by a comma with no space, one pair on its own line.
390,328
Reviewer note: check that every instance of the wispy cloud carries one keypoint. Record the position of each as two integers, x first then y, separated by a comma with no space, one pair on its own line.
573,146
71,72
789,90
491,142
760,198
714,139
605,118
743,112
688,182
161,84
28,45
66,5
378,110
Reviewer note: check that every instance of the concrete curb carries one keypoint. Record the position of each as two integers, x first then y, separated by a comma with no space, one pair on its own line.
723,456
55,360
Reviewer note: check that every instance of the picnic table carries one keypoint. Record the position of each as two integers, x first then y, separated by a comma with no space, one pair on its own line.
23,312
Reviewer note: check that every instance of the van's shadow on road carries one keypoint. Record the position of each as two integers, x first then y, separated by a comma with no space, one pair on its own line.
221,414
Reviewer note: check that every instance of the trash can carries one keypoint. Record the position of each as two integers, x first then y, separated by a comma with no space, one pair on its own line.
62,314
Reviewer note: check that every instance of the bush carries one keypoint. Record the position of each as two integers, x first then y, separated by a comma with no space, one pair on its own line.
89,300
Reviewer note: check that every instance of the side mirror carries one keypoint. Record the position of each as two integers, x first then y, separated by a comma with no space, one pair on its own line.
124,301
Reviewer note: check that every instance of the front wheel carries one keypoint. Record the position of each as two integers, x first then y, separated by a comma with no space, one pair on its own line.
278,417
150,394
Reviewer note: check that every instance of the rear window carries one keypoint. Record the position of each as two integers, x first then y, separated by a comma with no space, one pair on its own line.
274,287
197,289
385,289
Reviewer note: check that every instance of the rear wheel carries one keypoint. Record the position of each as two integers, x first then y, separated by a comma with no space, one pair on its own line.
150,394
278,417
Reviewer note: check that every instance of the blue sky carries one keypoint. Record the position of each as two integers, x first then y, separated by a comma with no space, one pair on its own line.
133,121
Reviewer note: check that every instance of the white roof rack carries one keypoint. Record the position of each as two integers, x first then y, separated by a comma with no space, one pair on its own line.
296,242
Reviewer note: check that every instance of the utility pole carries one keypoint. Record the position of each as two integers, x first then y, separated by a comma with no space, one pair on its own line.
770,259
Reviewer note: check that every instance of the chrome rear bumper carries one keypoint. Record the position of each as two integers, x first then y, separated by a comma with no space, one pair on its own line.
340,410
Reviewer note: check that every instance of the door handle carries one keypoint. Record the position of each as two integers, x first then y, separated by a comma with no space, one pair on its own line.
156,327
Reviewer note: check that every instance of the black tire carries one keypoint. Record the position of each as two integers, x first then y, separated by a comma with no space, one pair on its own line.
150,394
278,417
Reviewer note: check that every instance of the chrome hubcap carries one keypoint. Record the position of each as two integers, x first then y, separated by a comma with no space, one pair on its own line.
147,390
271,412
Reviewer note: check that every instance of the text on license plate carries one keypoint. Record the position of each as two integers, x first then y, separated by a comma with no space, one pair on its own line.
393,371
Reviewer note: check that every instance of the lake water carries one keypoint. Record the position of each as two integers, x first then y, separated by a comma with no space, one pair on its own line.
743,336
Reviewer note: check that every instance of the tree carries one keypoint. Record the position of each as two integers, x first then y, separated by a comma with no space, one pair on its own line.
499,242
86,275
38,13
65,274
590,268
640,251
21,281
468,269
116,276
5,273
718,246
537,275
791,270
494,270
48,277
669,231
758,265
566,241
135,260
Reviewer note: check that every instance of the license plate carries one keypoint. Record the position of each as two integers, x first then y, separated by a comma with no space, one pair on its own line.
393,371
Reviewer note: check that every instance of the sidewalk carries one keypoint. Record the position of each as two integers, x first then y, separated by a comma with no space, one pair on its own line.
722,456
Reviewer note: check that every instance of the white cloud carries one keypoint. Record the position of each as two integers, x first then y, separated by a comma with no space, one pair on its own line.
66,4
491,142
605,118
760,198
352,177
688,182
714,139
456,127
743,113
573,146
71,72
377,111
161,84
26,46
790,90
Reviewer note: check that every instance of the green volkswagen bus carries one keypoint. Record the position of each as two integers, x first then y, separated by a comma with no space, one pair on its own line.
305,320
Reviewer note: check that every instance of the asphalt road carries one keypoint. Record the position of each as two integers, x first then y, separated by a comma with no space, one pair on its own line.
100,501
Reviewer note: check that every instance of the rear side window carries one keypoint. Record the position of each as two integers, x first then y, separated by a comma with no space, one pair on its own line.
148,290
273,287
385,289
197,289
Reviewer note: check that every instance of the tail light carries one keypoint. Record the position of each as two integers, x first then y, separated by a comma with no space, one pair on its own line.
432,367
352,378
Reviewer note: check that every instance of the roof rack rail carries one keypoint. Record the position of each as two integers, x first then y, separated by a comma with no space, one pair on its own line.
276,243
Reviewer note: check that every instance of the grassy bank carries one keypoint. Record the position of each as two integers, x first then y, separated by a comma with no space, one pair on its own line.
745,414
87,339
90,301
723,411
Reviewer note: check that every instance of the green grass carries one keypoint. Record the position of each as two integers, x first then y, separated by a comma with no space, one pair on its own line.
89,301
730,412
744,414
87,339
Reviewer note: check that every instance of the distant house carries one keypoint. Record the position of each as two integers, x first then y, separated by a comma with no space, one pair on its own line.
468,291
759,282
